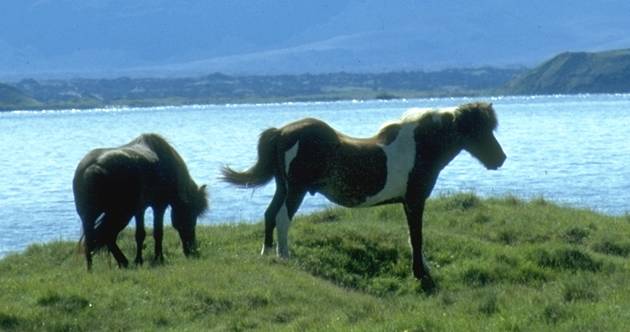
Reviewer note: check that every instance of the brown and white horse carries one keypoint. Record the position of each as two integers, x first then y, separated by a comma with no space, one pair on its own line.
400,164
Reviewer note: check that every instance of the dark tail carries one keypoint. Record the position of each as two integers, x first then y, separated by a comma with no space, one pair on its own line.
264,169
87,183
94,236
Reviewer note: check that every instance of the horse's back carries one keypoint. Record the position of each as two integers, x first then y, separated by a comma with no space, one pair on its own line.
309,129
114,178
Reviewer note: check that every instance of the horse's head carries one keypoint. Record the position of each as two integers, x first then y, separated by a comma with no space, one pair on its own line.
184,218
475,124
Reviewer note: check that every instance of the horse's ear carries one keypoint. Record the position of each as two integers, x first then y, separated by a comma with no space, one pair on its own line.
203,190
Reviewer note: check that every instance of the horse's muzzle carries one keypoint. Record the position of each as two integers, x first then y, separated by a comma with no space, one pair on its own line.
497,163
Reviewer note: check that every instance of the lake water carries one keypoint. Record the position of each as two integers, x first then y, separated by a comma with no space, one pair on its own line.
570,149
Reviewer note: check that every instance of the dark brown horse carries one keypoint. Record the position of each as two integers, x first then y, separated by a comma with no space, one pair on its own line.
115,184
400,164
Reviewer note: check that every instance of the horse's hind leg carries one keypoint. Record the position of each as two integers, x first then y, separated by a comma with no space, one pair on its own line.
140,236
118,254
111,226
294,198
270,217
88,220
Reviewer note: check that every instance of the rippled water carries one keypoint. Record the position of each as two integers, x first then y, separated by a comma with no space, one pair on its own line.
570,149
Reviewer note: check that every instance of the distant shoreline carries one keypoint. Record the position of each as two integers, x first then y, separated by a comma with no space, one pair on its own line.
30,94
262,101
243,101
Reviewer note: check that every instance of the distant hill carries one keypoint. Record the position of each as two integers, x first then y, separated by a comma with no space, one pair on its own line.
577,72
12,98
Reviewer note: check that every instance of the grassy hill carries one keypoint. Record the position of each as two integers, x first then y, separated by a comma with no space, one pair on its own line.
500,264
580,72
12,98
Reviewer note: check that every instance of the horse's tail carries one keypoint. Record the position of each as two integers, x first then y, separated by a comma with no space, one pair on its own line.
88,181
94,235
264,169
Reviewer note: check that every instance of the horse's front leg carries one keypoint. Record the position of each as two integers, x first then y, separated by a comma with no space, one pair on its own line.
414,211
158,232
140,236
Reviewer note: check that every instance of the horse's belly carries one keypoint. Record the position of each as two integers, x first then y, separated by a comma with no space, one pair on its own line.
391,191
341,199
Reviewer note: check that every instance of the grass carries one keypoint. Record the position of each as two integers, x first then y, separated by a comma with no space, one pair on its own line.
500,264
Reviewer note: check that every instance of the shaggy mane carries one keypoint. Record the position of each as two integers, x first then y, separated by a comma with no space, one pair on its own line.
480,114
415,115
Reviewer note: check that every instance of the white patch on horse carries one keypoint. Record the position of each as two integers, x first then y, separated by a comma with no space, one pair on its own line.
289,155
400,155
282,225
282,217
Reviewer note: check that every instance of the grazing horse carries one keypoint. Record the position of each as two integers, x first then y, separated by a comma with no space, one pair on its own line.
400,164
113,185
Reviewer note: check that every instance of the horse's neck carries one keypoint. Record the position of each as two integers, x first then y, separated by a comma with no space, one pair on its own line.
439,151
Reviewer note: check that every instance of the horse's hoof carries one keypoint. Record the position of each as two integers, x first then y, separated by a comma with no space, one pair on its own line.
283,254
266,250
427,284
158,260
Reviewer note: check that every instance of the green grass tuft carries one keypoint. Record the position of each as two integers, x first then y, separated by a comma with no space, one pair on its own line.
463,201
63,303
8,321
581,288
613,247
566,258
575,235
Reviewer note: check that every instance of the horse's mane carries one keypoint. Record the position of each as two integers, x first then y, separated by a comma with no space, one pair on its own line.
471,117
476,117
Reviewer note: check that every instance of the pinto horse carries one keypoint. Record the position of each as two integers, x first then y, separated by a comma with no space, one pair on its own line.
400,164
112,185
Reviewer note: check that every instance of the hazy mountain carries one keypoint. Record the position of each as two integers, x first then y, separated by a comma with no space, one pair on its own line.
11,98
579,72
158,37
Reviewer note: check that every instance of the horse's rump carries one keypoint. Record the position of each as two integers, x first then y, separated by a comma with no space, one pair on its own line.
264,169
